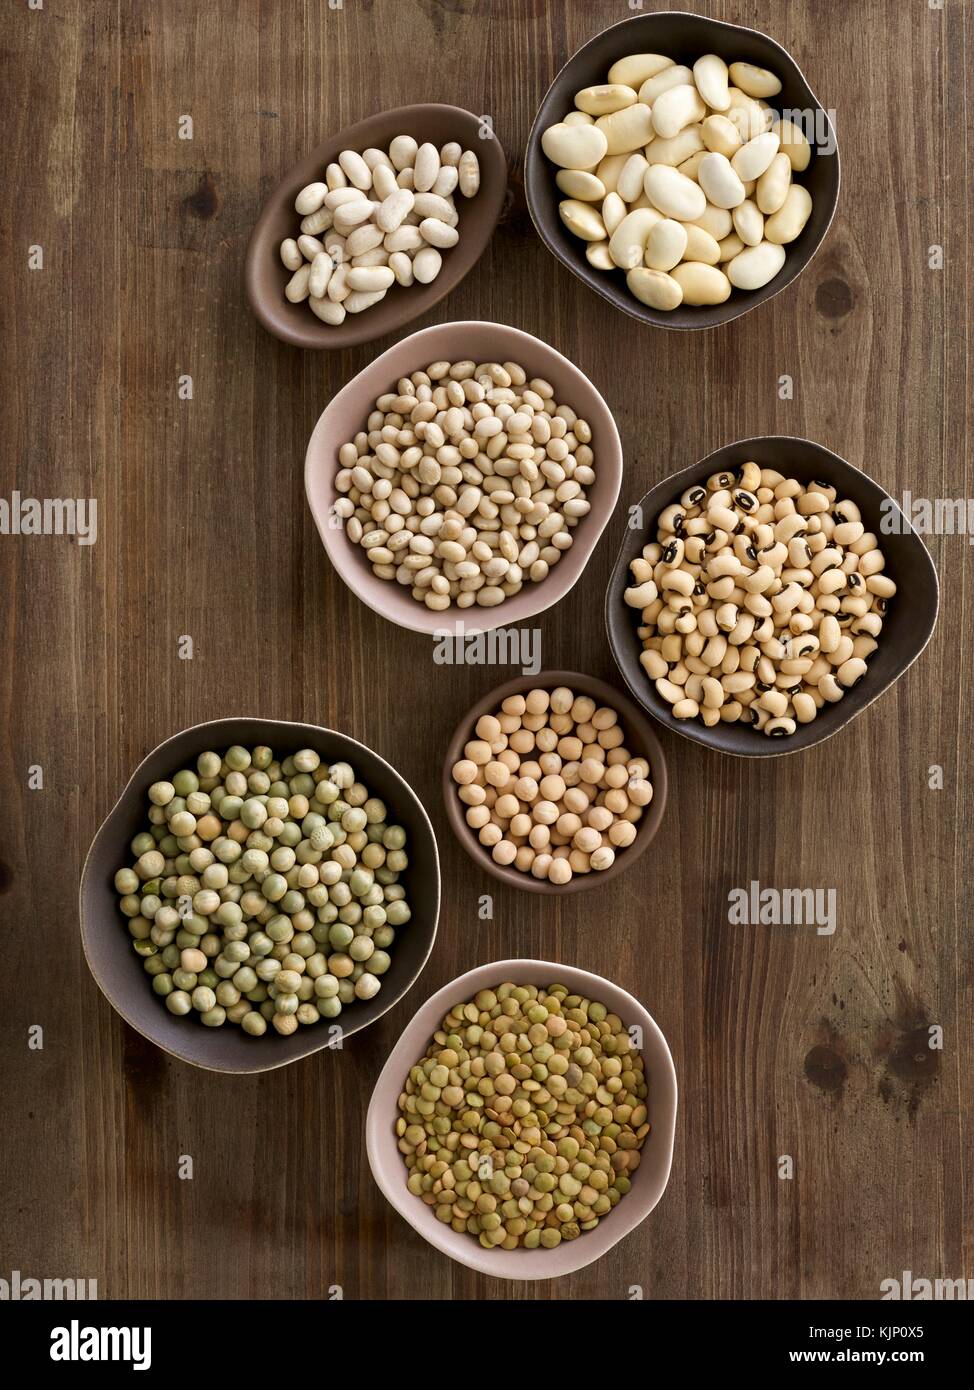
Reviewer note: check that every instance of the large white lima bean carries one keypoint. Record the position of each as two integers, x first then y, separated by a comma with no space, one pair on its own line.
682,178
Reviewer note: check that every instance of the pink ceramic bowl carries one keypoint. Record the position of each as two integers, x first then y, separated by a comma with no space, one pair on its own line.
346,414
651,1176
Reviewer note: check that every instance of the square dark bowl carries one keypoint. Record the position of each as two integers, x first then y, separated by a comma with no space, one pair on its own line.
684,38
906,630
118,969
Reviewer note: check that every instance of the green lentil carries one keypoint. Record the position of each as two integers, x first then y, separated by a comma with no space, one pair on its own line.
506,1138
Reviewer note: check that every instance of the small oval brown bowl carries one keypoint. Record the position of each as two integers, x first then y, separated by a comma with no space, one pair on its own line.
118,970
649,1181
346,413
684,38
907,630
265,276
640,739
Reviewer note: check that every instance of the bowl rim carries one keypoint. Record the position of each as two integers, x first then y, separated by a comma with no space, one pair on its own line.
677,483
642,313
379,1122
86,927
335,541
631,715
318,336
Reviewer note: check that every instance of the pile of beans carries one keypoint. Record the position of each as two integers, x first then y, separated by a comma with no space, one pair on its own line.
466,483
761,600
522,1124
264,891
377,220
550,786
681,178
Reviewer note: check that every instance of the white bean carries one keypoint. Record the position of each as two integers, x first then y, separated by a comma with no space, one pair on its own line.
401,267
362,299
426,167
321,272
437,233
296,288
627,245
754,158
677,107
402,152
719,181
787,223
666,245
630,181
574,147
602,101
328,311
637,68
701,284
426,264
710,75
310,198
749,223
392,211
578,183
370,278
355,170
773,185
384,181
625,131
756,82
582,220
290,255
755,266
674,195
675,75
446,181
430,205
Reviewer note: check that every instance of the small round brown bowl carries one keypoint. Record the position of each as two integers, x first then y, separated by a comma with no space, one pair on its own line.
649,1181
347,412
907,630
640,740
265,277
684,38
118,969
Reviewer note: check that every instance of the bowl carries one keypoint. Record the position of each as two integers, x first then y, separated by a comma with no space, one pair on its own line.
649,1181
118,970
640,739
906,630
265,276
346,413
683,37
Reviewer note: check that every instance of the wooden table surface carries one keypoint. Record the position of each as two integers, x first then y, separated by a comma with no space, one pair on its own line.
785,1042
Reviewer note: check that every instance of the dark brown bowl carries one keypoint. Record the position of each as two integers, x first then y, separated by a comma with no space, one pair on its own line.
684,38
906,630
640,738
118,970
265,276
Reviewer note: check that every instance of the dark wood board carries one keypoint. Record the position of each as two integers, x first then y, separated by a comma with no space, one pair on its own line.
785,1042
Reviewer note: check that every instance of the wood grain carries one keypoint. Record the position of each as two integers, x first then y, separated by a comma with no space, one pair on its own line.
785,1042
